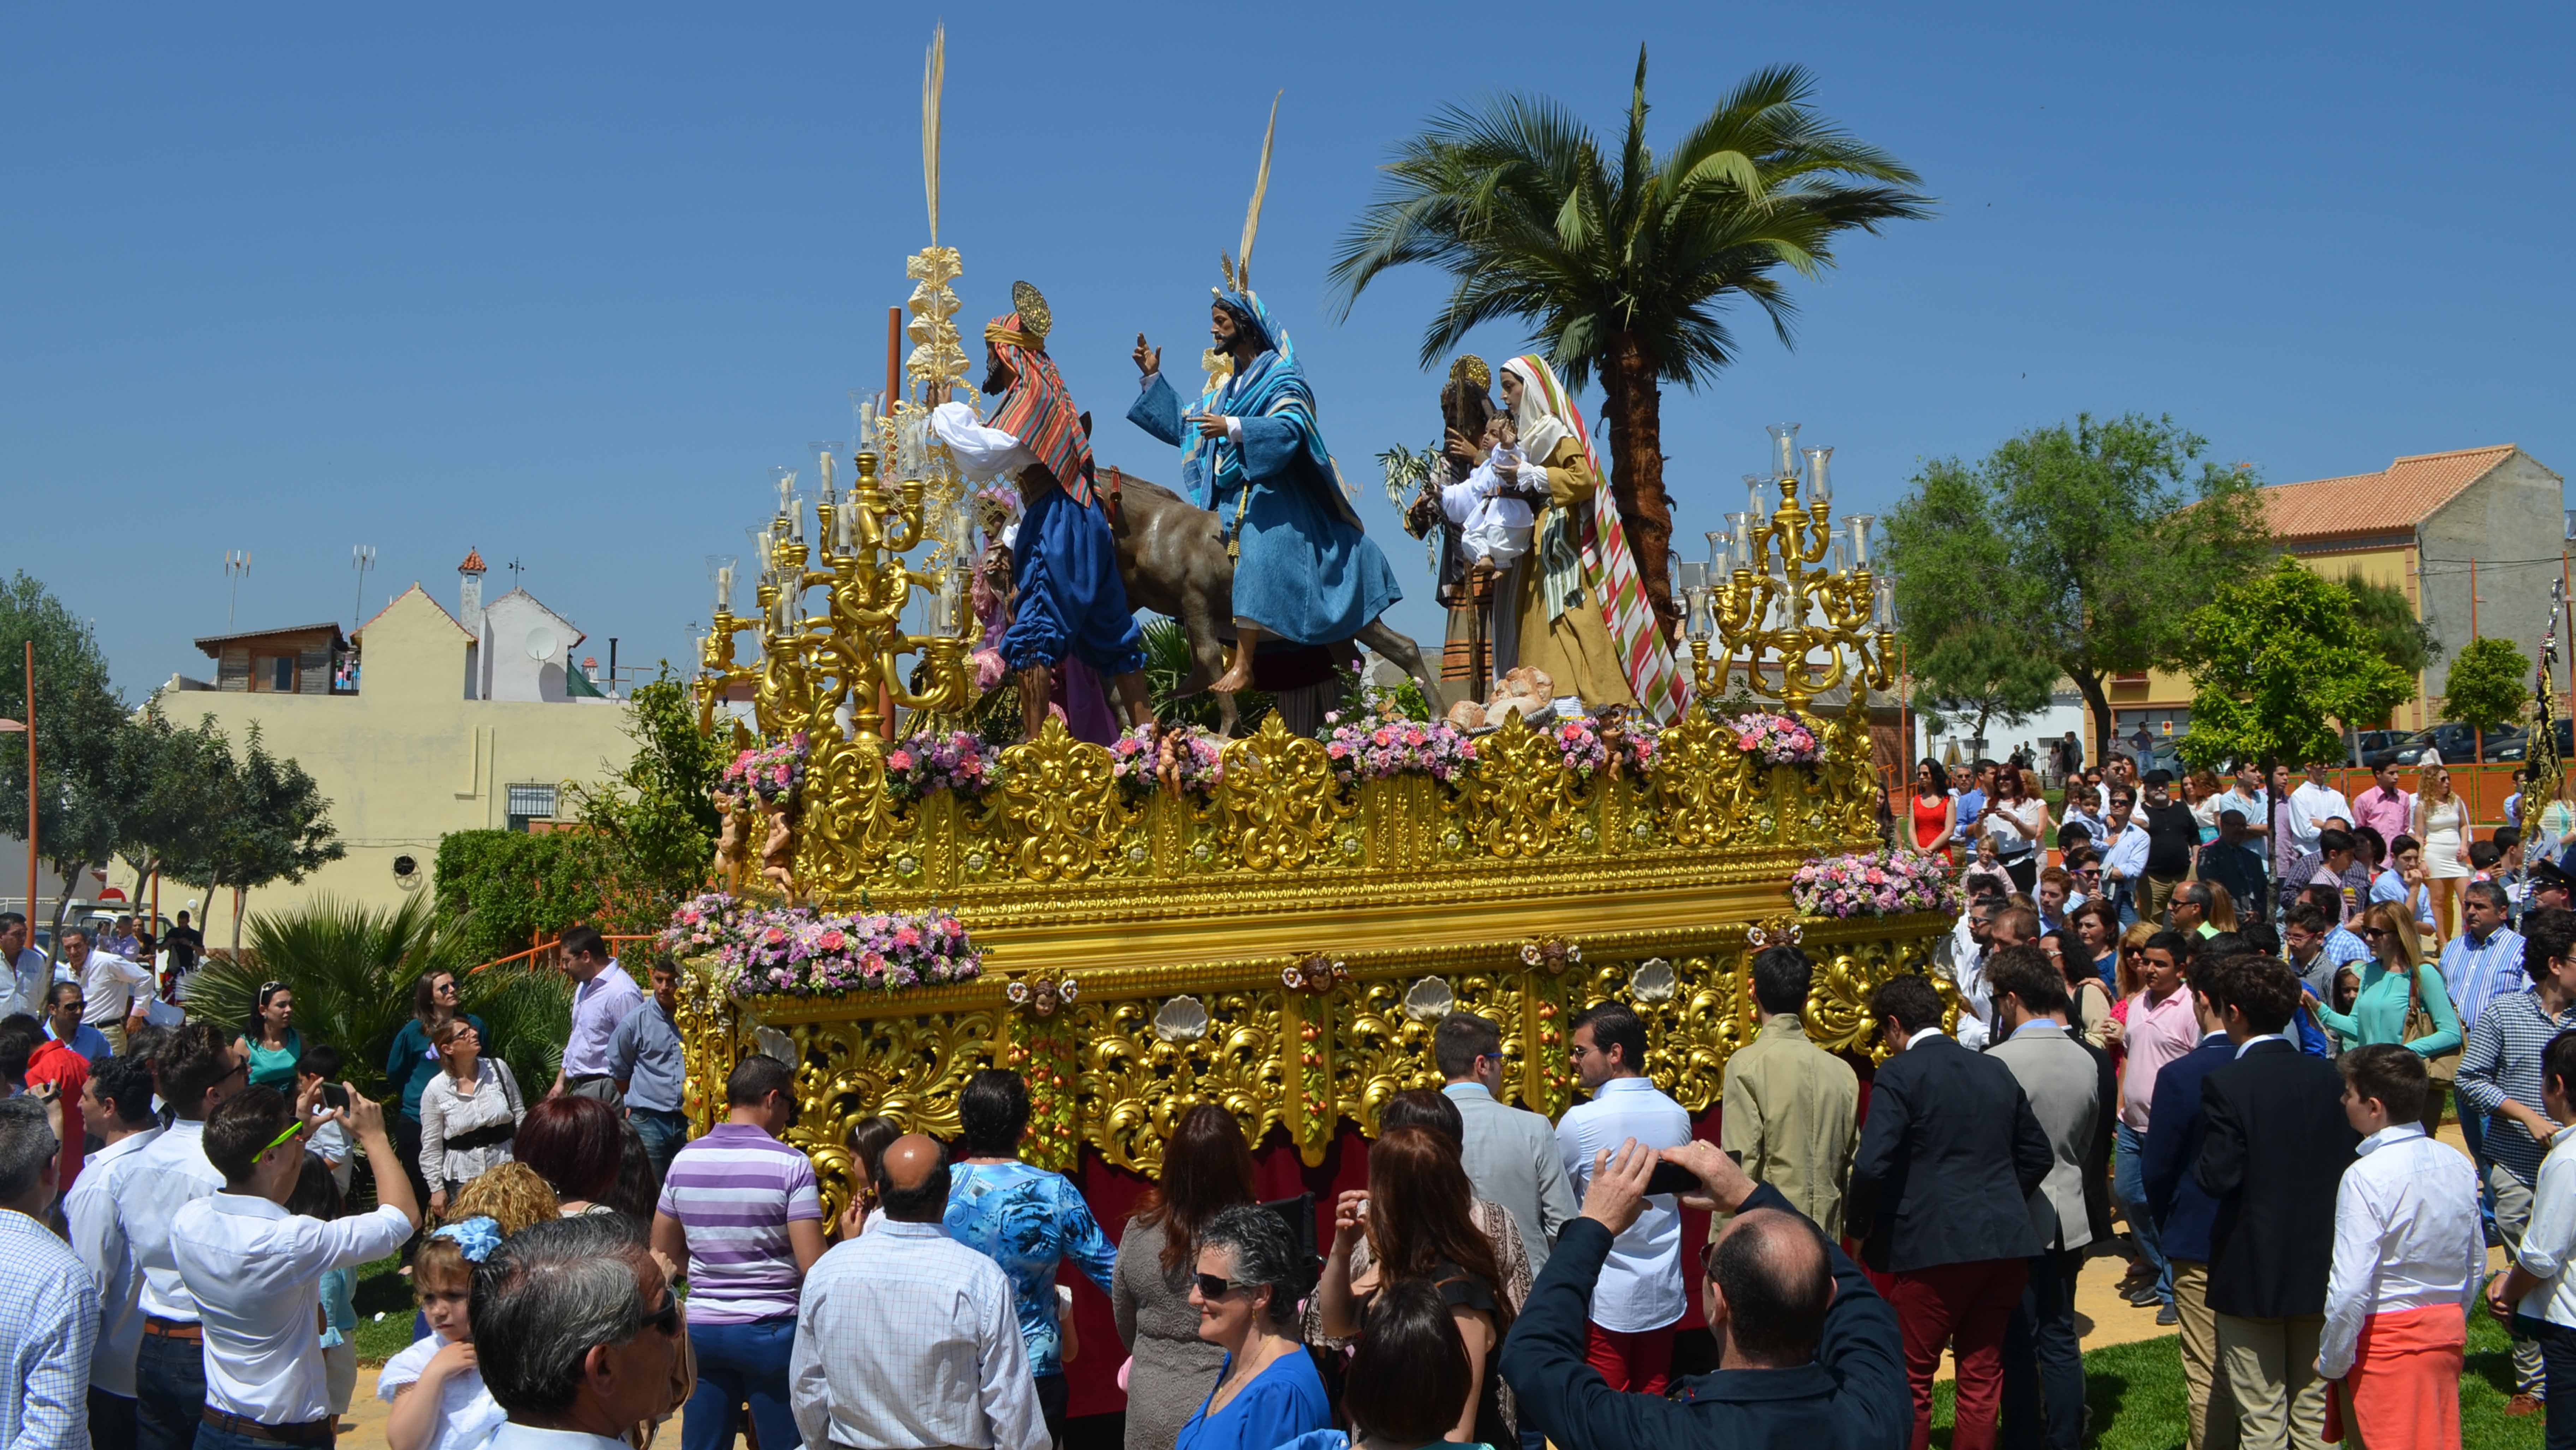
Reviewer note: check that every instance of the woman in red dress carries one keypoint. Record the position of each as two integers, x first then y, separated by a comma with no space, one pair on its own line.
1933,811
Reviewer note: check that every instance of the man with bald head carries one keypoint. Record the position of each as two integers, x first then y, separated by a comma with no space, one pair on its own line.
907,1339
1807,1350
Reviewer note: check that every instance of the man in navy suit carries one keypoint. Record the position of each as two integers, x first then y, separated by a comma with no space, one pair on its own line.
1940,1191
2183,1212
2273,1157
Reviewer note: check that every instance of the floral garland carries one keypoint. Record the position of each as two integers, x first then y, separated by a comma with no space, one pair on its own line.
1374,743
1775,739
1585,745
951,760
800,952
1198,758
1873,883
771,772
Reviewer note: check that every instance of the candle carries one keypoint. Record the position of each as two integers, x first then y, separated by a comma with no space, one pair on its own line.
827,471
868,426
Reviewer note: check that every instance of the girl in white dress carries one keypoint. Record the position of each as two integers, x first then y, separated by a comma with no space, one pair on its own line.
2442,824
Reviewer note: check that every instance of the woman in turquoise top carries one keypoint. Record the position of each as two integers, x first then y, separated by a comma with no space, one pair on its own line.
274,1043
1246,1293
2379,1009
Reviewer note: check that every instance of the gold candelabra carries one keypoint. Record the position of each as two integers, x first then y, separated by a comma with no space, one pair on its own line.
1782,583
842,657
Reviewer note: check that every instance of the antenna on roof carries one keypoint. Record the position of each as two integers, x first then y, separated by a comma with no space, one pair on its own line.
516,569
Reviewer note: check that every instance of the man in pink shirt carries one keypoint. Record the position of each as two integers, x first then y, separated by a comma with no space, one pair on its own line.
2384,808
2161,1027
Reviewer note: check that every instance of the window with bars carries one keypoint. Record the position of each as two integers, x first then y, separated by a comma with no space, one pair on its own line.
530,803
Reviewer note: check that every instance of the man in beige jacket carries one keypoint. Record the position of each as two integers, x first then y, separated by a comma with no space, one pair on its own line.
1791,1110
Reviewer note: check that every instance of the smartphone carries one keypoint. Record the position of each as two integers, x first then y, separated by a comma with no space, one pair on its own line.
334,1095
1672,1178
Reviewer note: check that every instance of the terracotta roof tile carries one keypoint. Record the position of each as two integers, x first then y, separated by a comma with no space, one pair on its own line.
473,562
2409,491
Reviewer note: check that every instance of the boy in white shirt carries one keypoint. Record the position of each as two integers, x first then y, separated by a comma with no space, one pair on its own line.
1494,522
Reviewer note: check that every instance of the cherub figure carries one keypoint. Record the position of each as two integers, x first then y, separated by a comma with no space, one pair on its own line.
729,840
778,852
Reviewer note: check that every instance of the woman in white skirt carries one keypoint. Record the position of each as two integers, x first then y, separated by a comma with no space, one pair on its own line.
2442,824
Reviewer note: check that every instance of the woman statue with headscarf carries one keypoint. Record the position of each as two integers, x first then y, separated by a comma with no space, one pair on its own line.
1610,655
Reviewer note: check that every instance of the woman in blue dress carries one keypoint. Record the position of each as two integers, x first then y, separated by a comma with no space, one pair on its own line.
1246,1293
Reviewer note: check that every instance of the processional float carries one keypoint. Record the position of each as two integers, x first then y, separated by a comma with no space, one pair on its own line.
1277,924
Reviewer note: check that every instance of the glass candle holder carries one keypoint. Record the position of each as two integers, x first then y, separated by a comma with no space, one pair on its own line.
1784,449
1820,479
1860,526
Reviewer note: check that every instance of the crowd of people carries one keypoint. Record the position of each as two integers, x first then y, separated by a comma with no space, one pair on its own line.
2118,1051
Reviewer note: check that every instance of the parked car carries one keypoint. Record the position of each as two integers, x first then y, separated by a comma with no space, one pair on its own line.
2455,744
2376,748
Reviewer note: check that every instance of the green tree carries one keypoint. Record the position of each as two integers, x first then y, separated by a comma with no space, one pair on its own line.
508,890
2280,664
654,820
2488,683
1968,656
2091,543
270,822
171,777
1983,672
78,718
2407,642
1623,264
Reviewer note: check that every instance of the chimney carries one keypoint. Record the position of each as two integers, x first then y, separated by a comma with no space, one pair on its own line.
469,593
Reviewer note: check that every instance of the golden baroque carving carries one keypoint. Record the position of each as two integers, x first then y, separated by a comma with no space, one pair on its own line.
1279,800
1520,799
1060,800
1701,781
1137,1081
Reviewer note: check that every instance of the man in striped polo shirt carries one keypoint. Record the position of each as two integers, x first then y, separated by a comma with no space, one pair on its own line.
2499,1080
741,1217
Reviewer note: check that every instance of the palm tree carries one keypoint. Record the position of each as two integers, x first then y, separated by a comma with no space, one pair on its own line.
352,969
1625,268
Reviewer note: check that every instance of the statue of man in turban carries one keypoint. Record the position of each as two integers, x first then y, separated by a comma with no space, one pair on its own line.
1064,560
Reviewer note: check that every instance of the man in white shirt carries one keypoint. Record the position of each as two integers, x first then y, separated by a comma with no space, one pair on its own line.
28,974
198,1070
108,984
116,1104
2311,803
48,1306
2406,1234
2542,1285
1638,1298
256,1270
907,1339
1064,557
2124,865
576,1335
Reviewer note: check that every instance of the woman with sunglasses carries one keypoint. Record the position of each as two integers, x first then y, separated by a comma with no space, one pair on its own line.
468,1116
2397,975
271,1041
1418,1217
1246,1291
1207,1169
2016,820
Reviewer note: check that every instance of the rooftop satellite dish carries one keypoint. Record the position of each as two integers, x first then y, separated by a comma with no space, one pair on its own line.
541,643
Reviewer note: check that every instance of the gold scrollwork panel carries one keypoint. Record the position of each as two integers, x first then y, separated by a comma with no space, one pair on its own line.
1381,1049
908,1068
1060,803
1279,802
1135,1083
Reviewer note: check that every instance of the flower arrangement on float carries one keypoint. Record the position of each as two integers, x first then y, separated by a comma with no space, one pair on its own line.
935,760
1377,741
770,772
1873,883
798,951
1197,756
1587,744
1775,739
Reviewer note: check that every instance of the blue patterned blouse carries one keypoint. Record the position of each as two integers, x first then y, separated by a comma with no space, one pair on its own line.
1028,1220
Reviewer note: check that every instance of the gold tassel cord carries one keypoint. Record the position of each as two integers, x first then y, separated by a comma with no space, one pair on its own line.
934,77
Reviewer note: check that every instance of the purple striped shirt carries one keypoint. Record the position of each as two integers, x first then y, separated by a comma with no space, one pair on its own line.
734,1192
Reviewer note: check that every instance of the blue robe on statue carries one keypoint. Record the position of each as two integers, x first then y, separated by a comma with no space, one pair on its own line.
1307,573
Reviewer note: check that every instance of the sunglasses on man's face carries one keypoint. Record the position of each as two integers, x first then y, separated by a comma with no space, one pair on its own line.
666,1318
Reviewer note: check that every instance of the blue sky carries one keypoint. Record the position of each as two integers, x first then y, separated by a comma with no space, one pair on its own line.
563,283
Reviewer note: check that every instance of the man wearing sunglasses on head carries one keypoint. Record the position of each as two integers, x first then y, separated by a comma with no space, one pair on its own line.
255,1270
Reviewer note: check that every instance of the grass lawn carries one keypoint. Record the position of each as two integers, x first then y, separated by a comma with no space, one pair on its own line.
2135,1392
385,1309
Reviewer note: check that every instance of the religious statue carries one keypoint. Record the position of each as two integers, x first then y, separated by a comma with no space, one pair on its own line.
778,852
1579,608
1069,599
1305,572
1469,659
729,841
